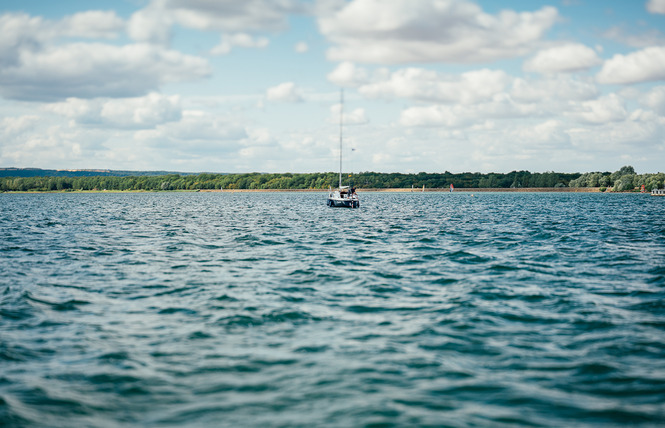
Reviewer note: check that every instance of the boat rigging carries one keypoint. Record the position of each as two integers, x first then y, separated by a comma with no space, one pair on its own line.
343,196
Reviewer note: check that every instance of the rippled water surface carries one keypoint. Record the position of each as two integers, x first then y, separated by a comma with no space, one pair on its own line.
271,310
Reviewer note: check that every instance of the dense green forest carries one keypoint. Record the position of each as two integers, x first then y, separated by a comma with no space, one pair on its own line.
624,179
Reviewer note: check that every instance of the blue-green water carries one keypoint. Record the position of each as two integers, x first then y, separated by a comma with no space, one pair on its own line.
271,310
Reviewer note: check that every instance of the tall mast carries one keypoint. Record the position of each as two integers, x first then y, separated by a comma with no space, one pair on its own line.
341,114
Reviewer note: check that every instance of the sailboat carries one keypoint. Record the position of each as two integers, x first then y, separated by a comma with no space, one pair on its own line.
343,196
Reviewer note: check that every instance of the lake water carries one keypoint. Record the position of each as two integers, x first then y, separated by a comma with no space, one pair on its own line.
272,310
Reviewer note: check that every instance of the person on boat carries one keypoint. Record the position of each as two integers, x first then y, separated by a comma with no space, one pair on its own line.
353,190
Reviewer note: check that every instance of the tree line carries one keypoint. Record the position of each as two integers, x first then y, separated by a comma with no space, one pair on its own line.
625,179
620,180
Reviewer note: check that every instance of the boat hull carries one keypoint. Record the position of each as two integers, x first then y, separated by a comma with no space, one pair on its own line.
343,203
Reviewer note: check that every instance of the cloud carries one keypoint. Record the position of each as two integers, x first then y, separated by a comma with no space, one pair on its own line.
15,126
421,84
34,141
426,85
641,66
356,117
243,40
434,115
557,142
260,136
550,134
471,87
632,138
22,32
348,75
89,70
92,24
248,15
656,6
400,31
605,109
648,38
560,87
566,58
202,141
153,23
655,100
502,106
284,92
127,113
197,134
38,62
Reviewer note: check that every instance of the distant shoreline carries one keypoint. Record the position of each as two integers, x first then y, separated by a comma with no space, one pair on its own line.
436,190
368,190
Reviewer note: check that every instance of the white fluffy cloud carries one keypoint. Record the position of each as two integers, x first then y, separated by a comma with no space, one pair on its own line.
24,33
548,135
243,40
471,87
88,70
528,142
39,63
14,126
655,100
656,6
599,111
400,31
421,84
153,23
284,92
199,141
92,24
501,106
33,140
641,66
639,135
197,134
348,75
230,16
560,87
478,96
566,58
133,113
605,109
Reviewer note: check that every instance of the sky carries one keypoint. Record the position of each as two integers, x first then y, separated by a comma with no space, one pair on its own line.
255,85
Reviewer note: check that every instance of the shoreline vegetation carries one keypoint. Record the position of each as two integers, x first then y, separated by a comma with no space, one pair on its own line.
390,190
623,180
